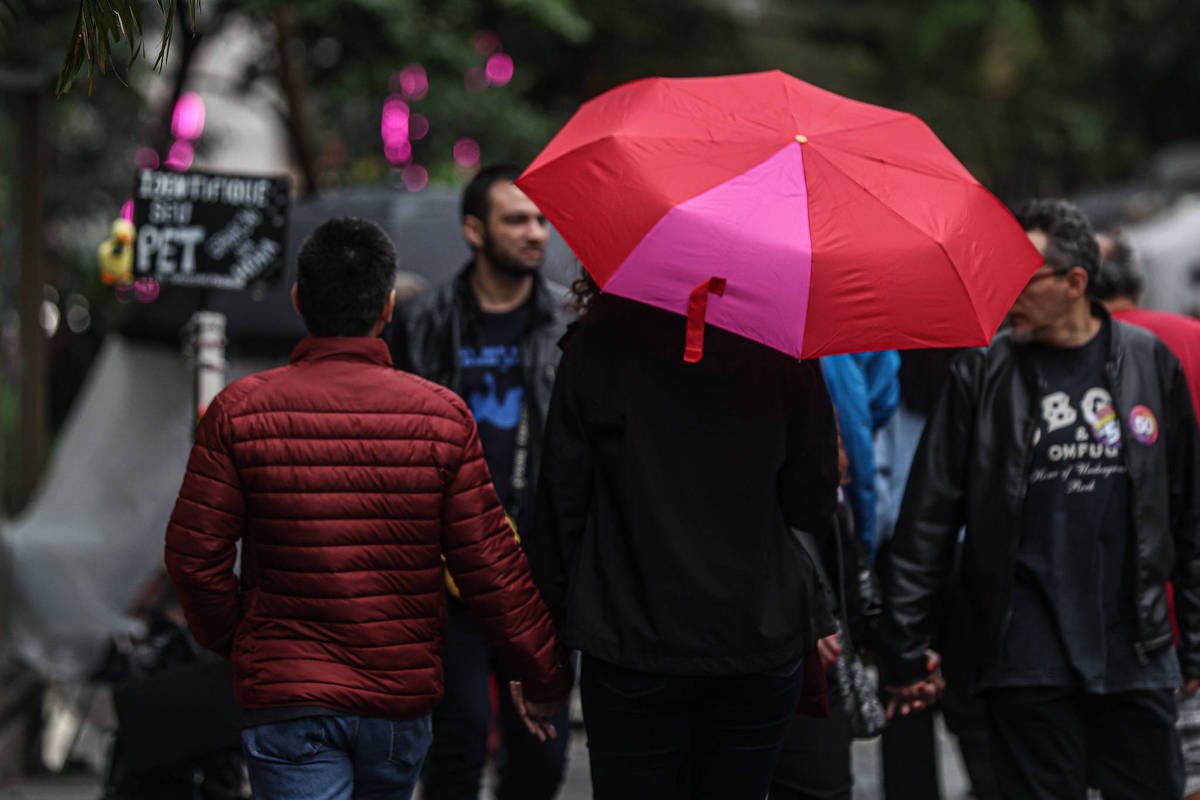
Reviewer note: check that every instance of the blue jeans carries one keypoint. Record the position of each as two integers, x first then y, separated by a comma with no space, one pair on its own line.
668,737
340,757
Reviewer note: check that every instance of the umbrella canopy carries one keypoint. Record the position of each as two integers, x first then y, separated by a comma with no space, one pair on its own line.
823,225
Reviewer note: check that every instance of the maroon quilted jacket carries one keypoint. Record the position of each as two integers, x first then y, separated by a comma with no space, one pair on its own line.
347,483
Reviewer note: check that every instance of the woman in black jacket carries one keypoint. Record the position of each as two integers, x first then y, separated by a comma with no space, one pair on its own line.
661,543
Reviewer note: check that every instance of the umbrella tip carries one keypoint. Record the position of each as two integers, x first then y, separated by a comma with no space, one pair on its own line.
801,138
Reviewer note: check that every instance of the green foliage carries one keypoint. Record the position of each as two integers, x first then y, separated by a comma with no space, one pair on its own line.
557,15
91,140
1034,97
101,25
564,53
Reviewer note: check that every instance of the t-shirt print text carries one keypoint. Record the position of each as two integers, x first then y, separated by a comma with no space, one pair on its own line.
498,401
1078,447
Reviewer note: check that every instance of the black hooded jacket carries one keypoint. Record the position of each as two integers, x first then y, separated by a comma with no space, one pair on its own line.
661,534
972,469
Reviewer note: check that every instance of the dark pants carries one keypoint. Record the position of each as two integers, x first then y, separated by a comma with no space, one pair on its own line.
1052,743
814,761
909,754
667,737
336,758
529,769
966,717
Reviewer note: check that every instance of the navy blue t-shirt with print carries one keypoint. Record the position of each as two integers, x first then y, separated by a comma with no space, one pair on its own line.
494,387
1073,620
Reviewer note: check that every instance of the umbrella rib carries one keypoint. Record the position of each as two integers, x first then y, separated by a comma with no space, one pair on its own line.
679,85
680,88
617,135
911,224
901,116
905,167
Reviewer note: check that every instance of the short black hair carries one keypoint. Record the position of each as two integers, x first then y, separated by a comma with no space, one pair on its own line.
477,197
1119,275
1072,242
345,270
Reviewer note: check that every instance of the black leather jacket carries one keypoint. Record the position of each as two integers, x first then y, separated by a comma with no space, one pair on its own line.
427,336
972,468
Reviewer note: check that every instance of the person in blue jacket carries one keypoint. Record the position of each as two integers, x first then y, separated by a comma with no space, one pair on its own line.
865,389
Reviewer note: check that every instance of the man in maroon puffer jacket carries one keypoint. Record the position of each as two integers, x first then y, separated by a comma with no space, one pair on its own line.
348,484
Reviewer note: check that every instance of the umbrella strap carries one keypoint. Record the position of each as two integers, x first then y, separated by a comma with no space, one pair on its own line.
693,350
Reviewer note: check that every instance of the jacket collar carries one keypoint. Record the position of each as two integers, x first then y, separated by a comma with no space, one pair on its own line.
364,349
542,309
1111,328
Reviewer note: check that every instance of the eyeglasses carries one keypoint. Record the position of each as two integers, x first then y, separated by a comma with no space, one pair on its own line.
1046,271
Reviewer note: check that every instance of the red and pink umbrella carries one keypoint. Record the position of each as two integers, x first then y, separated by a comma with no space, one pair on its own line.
823,225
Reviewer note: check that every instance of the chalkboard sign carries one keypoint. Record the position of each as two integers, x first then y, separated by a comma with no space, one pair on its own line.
209,231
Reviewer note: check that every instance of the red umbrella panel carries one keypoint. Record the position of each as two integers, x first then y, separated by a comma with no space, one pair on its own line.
819,224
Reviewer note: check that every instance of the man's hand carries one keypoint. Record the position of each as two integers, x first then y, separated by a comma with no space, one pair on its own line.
829,649
1191,686
536,716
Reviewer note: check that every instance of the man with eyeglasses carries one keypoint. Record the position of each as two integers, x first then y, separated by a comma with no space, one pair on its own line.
1068,449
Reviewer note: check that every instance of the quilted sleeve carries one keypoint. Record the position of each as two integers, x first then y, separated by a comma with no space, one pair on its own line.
493,575
201,547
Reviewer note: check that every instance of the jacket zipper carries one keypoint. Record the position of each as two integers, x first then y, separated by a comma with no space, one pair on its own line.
1114,382
1027,442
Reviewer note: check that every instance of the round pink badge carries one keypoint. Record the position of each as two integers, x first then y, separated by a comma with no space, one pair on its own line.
1143,425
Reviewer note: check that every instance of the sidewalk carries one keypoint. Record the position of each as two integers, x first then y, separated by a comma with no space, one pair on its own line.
577,786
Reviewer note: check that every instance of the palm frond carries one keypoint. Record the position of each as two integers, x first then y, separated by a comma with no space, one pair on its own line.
102,25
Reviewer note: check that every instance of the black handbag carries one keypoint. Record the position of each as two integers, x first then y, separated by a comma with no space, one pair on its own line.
856,689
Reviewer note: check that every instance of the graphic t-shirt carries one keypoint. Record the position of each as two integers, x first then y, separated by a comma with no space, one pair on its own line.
1073,620
494,388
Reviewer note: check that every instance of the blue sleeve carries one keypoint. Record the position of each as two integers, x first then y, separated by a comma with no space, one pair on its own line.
848,389
882,375
887,498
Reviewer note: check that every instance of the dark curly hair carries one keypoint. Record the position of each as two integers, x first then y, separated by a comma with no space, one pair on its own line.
1072,240
344,272
584,291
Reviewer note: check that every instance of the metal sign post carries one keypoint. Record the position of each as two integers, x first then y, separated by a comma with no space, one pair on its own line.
207,338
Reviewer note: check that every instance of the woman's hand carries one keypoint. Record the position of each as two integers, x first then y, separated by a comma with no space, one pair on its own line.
829,649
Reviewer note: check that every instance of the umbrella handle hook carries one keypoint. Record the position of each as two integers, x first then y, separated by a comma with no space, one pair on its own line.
693,349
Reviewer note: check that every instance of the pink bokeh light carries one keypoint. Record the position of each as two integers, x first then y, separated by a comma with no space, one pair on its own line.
124,292
412,82
485,43
415,177
418,127
181,156
146,158
146,289
475,80
187,120
393,122
499,69
466,152
127,210
398,152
